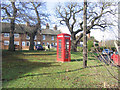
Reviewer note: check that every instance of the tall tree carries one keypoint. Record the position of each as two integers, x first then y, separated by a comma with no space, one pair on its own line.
10,14
84,34
71,14
38,17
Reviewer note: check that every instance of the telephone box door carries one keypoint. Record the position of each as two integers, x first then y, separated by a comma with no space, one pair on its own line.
67,49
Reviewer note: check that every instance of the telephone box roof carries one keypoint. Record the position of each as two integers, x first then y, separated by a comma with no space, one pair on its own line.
63,34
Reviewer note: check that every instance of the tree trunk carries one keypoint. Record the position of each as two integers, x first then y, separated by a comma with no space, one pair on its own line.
31,42
73,43
74,46
84,34
11,44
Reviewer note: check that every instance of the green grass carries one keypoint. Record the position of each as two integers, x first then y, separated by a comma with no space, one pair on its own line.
40,69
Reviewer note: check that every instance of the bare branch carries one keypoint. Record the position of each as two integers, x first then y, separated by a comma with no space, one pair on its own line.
72,26
6,11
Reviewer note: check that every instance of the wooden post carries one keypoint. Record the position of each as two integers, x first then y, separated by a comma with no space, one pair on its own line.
84,34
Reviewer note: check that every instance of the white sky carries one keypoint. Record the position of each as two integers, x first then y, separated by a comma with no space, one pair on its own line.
108,35
51,4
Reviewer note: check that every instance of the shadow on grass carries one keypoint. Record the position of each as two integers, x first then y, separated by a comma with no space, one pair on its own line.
14,65
31,75
73,60
39,54
80,69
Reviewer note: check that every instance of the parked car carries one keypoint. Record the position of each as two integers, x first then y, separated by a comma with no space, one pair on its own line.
107,52
116,58
39,47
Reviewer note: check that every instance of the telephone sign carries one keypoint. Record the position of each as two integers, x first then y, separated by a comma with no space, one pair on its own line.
63,47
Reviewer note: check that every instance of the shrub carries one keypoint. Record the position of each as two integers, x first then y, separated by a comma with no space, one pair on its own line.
79,48
89,44
96,44
113,48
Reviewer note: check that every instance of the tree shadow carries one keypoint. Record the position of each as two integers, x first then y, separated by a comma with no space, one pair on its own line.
31,75
73,60
39,54
14,65
81,68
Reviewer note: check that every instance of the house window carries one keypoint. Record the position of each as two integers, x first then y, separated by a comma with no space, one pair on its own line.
43,43
6,34
52,44
16,35
55,44
16,42
23,43
6,42
34,43
52,38
38,42
28,43
27,37
47,43
43,37
35,37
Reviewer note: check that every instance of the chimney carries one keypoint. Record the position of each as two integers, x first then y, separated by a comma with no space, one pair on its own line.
47,26
55,27
27,23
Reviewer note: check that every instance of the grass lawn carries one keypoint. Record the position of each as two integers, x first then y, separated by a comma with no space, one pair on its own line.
39,69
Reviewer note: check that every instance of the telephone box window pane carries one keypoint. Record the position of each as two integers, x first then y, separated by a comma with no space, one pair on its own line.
67,48
59,48
67,54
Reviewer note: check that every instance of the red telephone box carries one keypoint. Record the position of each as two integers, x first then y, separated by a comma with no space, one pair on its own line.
63,47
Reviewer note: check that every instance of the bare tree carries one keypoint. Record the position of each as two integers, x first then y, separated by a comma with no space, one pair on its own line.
34,19
71,14
10,14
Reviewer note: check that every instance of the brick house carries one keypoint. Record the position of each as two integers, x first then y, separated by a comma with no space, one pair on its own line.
22,40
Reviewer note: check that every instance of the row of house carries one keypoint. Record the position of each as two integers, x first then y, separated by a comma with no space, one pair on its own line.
22,40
